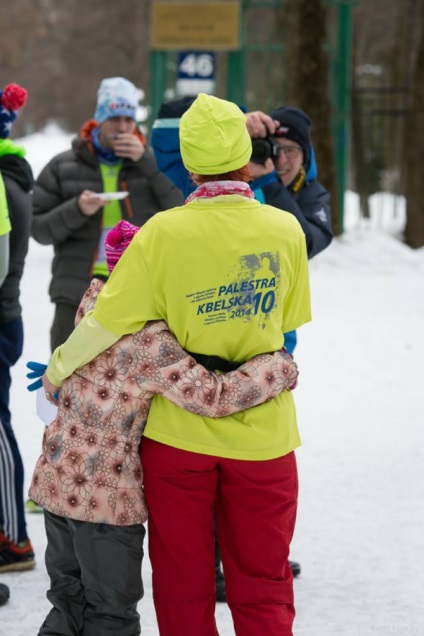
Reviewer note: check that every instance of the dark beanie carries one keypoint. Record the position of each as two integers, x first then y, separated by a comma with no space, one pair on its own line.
296,126
175,108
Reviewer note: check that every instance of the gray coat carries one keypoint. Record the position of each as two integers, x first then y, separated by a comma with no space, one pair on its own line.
58,221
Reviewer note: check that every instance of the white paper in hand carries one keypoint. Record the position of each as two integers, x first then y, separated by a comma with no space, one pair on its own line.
113,196
44,409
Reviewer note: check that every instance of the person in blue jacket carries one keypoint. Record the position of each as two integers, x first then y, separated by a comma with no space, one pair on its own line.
287,178
285,175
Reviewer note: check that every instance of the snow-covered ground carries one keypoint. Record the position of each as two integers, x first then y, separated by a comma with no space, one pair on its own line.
360,407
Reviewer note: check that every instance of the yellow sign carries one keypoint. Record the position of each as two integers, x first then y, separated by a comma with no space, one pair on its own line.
194,25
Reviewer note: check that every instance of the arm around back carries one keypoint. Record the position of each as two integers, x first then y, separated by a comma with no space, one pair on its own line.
259,380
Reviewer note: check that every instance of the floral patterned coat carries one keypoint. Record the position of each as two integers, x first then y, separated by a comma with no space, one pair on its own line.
89,468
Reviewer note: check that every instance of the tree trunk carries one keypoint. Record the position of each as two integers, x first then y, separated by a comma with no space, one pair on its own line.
414,157
308,84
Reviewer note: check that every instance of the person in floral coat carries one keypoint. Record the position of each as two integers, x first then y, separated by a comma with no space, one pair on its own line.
89,477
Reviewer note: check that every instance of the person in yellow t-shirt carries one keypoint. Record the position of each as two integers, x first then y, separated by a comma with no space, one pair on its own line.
200,267
5,228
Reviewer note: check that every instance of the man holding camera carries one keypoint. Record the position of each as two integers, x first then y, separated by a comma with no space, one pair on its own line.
285,172
283,165
109,157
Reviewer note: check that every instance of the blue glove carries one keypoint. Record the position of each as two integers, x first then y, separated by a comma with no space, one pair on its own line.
37,371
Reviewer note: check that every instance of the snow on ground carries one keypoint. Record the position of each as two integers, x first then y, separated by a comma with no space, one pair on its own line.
359,530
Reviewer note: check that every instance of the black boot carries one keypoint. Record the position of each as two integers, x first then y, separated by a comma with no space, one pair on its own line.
219,576
295,568
220,586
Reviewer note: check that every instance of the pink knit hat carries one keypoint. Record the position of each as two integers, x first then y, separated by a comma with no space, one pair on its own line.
117,241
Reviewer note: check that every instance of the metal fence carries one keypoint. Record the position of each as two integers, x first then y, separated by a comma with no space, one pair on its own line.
378,138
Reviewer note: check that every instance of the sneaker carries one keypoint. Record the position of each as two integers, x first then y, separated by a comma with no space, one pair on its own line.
4,594
220,586
16,558
3,540
31,506
295,568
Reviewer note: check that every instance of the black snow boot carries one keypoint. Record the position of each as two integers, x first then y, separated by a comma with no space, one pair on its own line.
219,576
295,568
4,594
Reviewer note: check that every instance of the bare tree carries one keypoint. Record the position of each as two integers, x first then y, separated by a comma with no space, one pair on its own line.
307,82
61,50
414,154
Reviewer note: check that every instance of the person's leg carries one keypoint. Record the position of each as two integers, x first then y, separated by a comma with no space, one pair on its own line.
66,592
180,490
63,324
219,575
12,517
110,559
256,513
95,578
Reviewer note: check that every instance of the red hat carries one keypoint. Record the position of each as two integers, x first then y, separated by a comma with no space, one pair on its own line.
12,98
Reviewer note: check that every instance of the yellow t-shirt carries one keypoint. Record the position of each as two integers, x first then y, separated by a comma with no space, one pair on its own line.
5,226
111,215
229,276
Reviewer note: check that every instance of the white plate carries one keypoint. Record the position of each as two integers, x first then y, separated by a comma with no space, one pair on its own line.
113,196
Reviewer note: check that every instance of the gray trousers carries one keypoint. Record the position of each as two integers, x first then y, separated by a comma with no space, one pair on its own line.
63,324
95,578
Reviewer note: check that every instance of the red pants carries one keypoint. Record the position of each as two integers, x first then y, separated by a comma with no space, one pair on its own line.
255,505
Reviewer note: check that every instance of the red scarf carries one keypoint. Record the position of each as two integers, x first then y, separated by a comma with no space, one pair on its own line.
217,188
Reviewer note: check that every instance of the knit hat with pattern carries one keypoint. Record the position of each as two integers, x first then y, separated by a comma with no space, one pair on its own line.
116,97
12,98
117,241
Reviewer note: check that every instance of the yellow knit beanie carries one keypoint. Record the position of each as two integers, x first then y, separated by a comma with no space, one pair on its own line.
214,137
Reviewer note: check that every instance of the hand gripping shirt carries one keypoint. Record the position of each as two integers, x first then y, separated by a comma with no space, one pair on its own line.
229,276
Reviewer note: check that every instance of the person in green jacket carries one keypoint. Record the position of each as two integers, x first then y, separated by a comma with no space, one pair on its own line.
110,154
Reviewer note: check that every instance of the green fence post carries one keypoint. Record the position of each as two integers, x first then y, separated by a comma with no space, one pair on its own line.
343,100
158,81
236,65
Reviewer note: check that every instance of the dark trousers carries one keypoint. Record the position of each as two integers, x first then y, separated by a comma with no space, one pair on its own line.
63,324
12,518
95,578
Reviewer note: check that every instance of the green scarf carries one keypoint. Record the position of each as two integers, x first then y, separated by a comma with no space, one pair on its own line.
8,147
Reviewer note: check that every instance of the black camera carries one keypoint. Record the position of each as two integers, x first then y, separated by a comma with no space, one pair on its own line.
263,149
